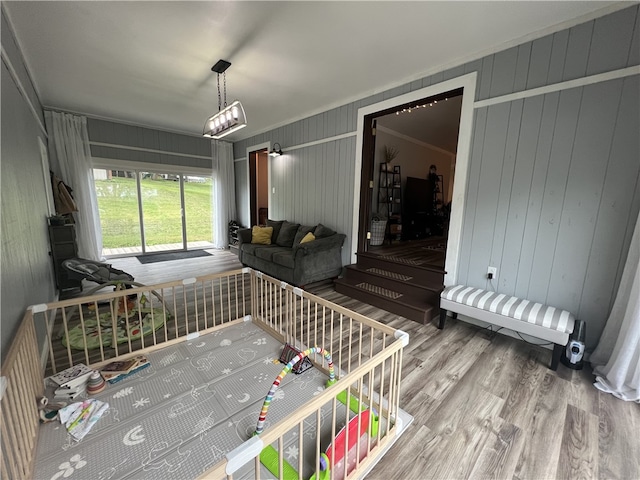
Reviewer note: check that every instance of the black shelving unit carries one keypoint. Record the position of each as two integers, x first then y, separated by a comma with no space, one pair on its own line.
390,199
63,247
233,235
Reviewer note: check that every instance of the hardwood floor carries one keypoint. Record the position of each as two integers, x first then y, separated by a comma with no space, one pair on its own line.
485,405
148,274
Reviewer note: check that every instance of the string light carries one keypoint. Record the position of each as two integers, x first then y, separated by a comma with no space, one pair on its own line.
415,107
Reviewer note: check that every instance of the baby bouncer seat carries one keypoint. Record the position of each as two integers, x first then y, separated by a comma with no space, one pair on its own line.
101,273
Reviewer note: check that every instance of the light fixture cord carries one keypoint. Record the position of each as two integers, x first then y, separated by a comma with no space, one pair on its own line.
219,97
224,79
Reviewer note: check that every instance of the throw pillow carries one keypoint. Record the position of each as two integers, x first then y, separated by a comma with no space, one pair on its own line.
302,231
309,237
261,235
287,234
321,231
276,224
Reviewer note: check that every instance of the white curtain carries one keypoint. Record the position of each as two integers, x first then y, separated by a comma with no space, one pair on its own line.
224,194
616,359
71,161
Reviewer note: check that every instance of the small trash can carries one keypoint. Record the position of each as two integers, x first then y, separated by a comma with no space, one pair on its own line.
378,228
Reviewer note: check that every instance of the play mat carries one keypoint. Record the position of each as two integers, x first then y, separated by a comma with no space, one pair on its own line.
142,320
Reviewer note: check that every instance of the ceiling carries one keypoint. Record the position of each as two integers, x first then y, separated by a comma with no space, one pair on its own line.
435,124
149,63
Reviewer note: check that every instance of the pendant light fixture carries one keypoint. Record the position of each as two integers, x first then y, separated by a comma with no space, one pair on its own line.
228,119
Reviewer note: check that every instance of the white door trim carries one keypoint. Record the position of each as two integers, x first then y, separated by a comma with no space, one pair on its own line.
468,83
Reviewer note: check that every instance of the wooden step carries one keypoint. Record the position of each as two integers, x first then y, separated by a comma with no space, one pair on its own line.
418,310
422,274
399,282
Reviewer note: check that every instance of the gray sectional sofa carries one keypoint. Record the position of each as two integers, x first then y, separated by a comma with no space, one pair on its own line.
285,258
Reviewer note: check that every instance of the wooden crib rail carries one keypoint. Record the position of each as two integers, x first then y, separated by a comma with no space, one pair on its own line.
305,320
23,385
93,329
383,371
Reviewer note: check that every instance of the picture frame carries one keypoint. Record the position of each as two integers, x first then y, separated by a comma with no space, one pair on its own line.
396,169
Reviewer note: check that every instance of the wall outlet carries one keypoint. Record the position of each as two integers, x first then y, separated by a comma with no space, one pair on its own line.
492,272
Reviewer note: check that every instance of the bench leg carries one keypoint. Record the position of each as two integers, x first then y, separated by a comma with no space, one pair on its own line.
443,317
555,356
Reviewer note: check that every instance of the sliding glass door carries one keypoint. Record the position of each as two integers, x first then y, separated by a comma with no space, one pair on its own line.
198,210
144,212
117,194
161,196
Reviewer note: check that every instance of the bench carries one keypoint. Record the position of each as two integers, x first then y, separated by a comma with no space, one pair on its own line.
523,316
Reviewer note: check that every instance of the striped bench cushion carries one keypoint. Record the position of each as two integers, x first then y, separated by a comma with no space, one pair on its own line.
513,307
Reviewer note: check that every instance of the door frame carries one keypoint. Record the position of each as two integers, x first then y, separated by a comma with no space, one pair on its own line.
252,149
468,84
103,163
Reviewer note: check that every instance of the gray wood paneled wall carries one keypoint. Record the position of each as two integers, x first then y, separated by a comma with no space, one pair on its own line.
121,136
552,195
27,270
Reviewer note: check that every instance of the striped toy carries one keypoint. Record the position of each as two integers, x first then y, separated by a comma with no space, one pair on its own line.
285,370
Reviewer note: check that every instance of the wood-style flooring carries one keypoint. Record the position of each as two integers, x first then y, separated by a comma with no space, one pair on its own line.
485,405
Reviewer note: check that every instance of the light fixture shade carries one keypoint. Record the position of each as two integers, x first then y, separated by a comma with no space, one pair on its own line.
276,150
226,121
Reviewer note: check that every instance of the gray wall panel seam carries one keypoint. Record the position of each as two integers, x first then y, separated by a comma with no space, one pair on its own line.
613,136
631,45
564,194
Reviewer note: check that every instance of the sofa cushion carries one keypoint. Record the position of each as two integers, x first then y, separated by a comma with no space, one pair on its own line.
275,224
250,248
267,253
287,234
302,231
321,231
309,237
284,258
261,235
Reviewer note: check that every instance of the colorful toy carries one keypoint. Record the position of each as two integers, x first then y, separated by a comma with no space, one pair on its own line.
288,353
363,422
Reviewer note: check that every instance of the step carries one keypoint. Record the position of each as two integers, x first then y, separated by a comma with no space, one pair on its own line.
423,274
394,302
405,284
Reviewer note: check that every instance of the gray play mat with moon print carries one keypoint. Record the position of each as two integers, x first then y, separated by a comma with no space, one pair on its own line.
198,400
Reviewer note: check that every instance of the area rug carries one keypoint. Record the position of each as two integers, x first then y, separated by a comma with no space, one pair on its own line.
167,257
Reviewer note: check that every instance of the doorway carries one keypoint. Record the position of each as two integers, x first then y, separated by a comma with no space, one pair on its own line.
414,151
423,216
258,186
365,150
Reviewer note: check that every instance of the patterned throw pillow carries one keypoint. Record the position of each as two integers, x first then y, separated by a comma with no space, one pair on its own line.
261,235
